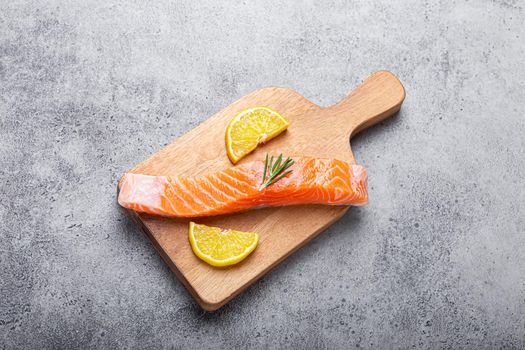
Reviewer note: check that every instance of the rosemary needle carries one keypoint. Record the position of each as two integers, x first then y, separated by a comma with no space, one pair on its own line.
273,172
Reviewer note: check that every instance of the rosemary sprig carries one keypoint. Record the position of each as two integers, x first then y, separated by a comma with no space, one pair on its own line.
273,172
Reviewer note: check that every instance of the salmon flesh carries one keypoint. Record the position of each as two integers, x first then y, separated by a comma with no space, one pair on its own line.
312,180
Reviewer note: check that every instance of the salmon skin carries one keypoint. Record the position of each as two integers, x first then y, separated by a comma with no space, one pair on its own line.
312,180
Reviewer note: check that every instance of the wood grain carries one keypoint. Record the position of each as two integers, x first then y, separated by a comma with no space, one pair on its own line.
313,131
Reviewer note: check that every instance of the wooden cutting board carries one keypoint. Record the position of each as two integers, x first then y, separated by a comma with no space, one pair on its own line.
313,131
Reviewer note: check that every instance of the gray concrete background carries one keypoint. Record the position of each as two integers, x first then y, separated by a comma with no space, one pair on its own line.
90,88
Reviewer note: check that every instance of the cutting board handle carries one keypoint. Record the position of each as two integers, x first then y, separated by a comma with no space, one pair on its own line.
377,98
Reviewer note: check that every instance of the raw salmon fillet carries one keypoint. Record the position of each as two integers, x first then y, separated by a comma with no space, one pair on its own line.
312,180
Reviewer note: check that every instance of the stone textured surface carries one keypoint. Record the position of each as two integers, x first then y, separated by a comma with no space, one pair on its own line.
90,88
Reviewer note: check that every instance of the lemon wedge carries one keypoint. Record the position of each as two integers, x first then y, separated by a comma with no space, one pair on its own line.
250,128
220,247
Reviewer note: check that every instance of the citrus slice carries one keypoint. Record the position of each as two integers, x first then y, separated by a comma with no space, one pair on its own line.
220,247
250,128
